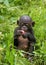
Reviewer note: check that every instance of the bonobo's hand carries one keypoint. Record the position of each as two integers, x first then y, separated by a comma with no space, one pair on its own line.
26,35
18,33
23,33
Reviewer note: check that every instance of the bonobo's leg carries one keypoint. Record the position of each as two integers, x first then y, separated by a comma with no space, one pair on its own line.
31,49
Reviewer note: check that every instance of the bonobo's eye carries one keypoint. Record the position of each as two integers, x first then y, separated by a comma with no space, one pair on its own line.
26,24
22,24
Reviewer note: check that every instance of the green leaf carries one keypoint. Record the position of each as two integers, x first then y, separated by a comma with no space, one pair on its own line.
6,2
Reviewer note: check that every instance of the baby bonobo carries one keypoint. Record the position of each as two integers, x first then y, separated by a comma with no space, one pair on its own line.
23,35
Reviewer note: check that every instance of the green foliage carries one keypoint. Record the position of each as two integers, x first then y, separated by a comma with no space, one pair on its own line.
10,11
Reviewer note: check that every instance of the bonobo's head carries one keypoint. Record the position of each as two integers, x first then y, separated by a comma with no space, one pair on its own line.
25,22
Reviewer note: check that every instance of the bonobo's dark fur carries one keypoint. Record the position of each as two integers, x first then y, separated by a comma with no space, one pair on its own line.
23,35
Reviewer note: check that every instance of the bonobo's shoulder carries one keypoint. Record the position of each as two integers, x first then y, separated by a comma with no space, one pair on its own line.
17,28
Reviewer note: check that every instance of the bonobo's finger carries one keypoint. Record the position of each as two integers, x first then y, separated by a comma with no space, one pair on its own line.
21,31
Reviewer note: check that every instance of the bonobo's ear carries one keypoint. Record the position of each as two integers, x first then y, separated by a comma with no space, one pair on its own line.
33,23
18,22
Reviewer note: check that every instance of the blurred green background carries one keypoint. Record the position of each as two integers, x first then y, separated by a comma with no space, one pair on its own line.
10,11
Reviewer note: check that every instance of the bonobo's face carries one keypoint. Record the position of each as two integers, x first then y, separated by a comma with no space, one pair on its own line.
24,27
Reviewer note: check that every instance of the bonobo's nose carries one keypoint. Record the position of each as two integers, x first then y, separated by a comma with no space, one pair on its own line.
24,28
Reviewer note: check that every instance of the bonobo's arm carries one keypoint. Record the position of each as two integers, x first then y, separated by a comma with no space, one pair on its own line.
32,42
16,37
31,38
